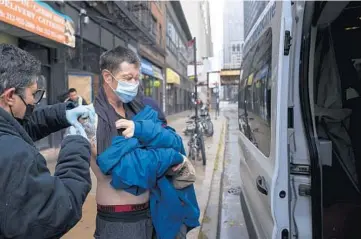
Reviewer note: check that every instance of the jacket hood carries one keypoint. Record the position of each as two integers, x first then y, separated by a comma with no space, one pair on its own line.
10,126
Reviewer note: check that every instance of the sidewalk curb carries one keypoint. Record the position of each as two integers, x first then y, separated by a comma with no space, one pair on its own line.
218,162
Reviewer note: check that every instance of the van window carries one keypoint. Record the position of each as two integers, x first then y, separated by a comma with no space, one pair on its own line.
255,92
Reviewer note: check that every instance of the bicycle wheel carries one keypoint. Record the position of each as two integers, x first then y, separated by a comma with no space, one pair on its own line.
202,148
191,153
210,130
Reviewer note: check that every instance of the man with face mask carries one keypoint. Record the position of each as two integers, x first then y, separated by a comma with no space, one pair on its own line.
122,214
34,204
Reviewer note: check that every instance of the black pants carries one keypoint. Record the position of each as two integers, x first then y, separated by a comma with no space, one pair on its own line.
124,225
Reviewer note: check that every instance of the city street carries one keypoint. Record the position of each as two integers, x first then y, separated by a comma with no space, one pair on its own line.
204,184
176,54
224,218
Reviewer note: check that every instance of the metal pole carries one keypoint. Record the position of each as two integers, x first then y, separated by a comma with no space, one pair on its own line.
196,82
208,93
81,41
219,100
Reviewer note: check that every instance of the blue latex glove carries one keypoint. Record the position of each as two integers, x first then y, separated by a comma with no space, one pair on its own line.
84,112
76,130
80,112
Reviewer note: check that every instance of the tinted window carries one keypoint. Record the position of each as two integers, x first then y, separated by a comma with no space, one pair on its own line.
255,93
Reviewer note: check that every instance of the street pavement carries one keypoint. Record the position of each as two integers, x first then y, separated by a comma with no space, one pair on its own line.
205,174
224,218
232,221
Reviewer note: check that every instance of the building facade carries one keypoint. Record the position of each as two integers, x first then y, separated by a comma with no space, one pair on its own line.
252,11
69,37
233,36
198,19
178,87
233,39
153,56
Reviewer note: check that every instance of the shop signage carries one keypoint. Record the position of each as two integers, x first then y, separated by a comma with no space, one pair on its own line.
39,18
156,83
157,72
172,77
230,73
146,67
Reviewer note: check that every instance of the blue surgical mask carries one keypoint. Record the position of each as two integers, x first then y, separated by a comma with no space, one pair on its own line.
126,91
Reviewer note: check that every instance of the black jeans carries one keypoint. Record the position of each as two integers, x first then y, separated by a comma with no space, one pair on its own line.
124,225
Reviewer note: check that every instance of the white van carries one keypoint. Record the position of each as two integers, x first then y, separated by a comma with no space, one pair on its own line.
299,117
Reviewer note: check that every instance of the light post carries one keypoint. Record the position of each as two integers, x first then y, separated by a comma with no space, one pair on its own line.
83,19
196,83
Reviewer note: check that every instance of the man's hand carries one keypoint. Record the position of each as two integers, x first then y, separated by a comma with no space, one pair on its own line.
179,166
128,125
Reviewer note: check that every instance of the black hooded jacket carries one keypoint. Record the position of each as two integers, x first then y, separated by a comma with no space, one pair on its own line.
34,204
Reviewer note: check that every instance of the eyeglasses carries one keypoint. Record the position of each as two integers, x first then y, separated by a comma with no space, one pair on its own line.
40,92
38,96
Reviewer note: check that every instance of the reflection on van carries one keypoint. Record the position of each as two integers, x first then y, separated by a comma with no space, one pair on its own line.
255,94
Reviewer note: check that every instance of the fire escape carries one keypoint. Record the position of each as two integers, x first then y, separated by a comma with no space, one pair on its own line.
133,17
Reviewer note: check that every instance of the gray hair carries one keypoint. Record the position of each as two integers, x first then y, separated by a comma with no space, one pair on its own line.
18,69
111,60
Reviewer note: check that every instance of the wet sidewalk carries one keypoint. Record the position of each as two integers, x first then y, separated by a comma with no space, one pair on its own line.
214,145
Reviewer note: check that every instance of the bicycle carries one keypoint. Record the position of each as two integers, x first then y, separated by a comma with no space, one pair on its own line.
196,144
206,122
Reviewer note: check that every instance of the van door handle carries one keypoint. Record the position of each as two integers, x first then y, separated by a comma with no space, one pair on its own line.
261,185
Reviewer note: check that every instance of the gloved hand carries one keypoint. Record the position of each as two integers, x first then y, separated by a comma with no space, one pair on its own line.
80,112
83,113
76,130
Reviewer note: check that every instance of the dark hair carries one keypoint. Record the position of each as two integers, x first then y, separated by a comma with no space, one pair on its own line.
71,90
18,68
111,60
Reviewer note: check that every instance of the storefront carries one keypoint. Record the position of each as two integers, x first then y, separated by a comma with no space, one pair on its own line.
152,80
177,94
67,40
39,29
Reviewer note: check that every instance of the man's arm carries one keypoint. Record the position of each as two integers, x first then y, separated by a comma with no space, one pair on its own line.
131,166
41,205
46,120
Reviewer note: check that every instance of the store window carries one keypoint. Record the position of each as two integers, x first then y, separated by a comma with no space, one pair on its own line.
256,96
147,84
174,41
83,83
87,80
91,55
160,35
154,26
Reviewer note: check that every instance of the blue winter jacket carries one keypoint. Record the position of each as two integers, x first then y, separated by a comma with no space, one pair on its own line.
140,163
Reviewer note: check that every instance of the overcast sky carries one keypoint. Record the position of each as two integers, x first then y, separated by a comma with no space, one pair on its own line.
216,15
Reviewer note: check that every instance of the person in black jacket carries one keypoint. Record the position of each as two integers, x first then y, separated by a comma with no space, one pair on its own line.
75,98
34,204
